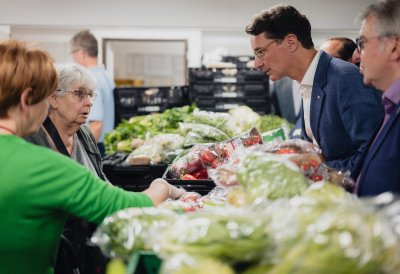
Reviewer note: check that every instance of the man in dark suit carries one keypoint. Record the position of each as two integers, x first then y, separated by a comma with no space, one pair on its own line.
339,113
379,45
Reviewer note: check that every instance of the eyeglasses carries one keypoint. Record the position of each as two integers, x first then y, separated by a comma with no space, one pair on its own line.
81,94
362,40
260,52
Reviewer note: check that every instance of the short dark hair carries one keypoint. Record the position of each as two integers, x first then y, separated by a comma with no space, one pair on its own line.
279,21
86,41
346,50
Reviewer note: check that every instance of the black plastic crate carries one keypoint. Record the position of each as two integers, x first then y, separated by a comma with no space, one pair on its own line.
128,177
134,101
226,75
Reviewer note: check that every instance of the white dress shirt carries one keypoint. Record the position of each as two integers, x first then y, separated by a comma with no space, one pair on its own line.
306,90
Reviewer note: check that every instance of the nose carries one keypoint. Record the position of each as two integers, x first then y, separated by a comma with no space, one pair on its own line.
258,62
89,101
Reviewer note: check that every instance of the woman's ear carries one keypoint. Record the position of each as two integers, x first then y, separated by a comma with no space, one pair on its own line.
52,101
25,99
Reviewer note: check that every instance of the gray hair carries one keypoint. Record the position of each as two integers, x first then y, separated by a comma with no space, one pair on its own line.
86,41
74,74
387,14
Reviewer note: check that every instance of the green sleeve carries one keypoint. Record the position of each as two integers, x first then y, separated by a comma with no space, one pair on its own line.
73,189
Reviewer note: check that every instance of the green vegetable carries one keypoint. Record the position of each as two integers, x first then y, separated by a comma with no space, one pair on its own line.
270,177
270,122
228,234
184,264
141,126
129,230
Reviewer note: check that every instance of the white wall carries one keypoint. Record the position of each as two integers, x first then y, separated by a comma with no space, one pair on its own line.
218,23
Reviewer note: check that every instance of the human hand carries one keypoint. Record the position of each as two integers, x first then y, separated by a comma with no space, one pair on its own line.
173,191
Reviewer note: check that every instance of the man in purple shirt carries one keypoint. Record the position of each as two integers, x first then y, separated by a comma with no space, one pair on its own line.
379,45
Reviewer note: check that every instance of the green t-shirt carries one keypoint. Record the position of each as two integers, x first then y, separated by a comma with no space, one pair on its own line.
38,189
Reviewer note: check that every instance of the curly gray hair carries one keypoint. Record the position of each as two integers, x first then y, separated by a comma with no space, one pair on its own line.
74,74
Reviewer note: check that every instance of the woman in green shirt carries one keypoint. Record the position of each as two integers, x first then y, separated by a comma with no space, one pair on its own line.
38,187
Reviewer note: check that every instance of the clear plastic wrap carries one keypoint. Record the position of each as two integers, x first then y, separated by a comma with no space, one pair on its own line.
229,234
129,230
162,148
291,147
187,164
186,264
217,154
330,234
201,133
220,120
269,176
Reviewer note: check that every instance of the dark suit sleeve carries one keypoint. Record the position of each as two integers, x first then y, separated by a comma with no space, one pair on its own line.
361,114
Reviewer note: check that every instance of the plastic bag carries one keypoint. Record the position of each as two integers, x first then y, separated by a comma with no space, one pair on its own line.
269,176
201,133
187,164
129,230
220,120
185,264
232,235
162,148
330,234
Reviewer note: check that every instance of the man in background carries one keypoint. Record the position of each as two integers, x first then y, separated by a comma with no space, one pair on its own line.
379,46
84,50
286,99
340,47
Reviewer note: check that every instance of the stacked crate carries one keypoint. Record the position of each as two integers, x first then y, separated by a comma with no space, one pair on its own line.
223,89
135,101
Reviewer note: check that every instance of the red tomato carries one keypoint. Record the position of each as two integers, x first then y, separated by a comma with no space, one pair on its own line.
286,150
207,157
316,178
217,162
188,177
200,174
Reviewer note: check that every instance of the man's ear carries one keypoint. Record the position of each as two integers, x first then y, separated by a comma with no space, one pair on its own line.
396,49
292,41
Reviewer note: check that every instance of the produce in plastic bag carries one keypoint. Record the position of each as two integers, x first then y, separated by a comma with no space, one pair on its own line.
187,164
217,154
244,117
234,235
269,176
162,148
201,133
291,147
129,230
186,264
220,120
340,235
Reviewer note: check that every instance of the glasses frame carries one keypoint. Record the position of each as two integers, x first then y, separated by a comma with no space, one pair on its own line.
260,52
362,40
82,95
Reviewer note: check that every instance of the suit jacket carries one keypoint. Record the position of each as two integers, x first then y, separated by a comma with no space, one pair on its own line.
282,99
380,168
344,113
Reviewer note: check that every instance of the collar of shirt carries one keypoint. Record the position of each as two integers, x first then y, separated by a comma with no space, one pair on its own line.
393,93
308,78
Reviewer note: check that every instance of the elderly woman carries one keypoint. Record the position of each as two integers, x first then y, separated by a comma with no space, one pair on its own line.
38,187
64,129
